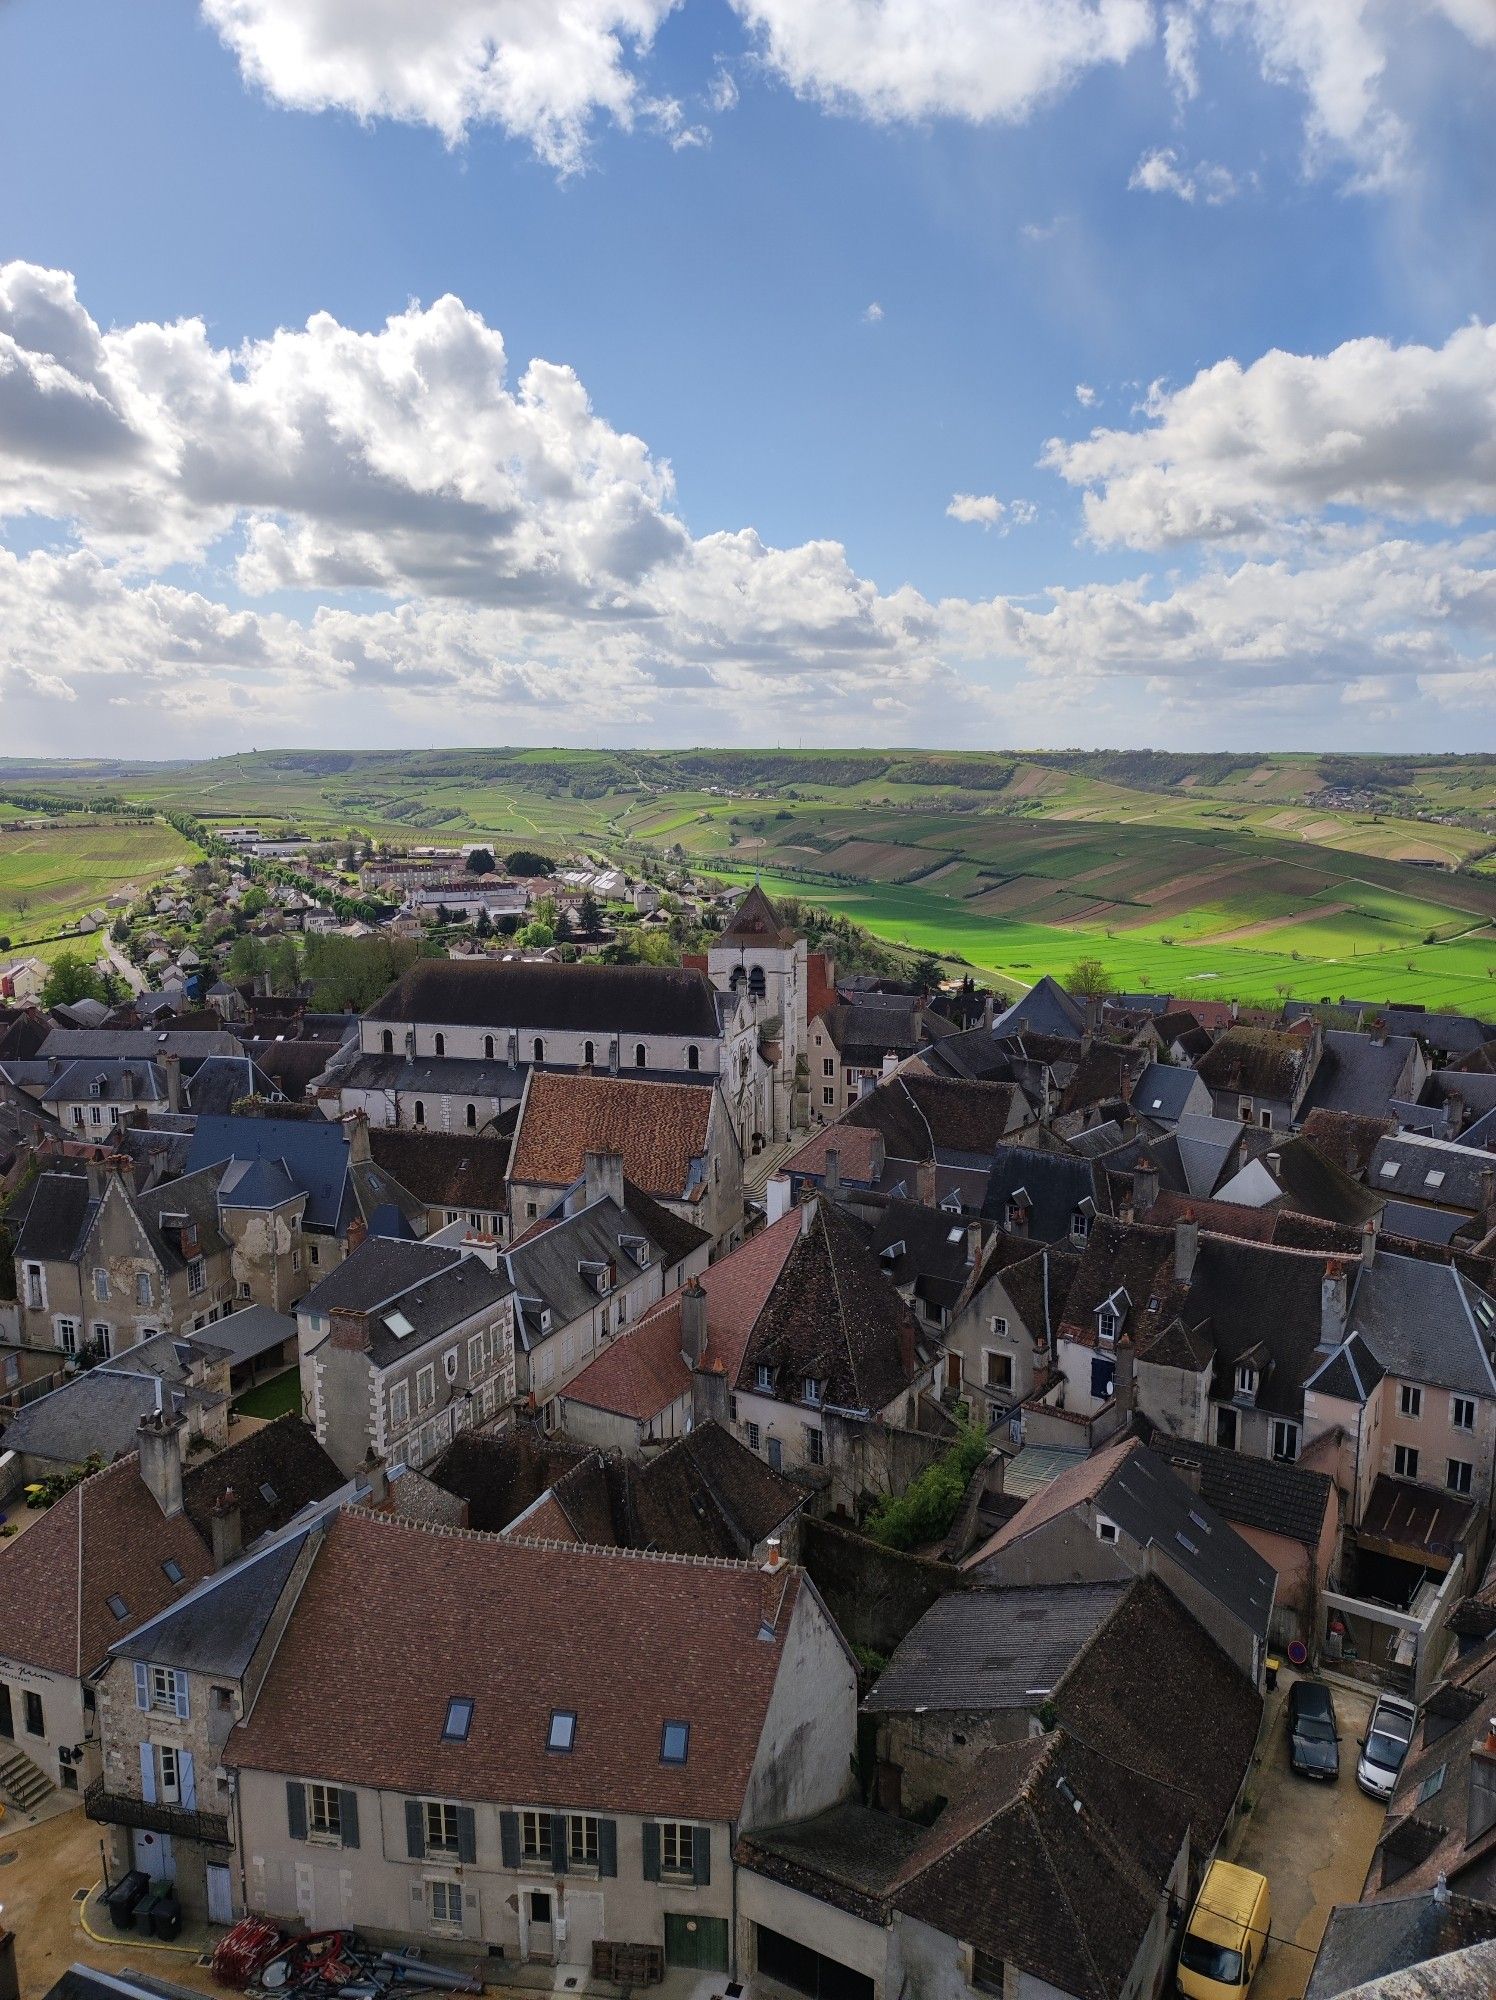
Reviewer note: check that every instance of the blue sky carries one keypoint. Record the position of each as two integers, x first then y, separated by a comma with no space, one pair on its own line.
829,282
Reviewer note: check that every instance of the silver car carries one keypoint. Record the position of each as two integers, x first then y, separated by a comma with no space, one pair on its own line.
1384,1745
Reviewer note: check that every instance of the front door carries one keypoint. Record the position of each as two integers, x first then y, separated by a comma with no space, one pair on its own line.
776,1454
7,1720
953,1372
699,1943
541,1905
220,1894
153,1855
1226,1428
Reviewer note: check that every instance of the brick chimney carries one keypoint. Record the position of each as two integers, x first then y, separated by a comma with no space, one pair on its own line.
348,1330
1480,1808
925,1183
228,1529
159,1442
1186,1247
1333,1301
358,1229
603,1173
693,1324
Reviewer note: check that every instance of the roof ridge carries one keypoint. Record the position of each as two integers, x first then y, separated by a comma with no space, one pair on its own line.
446,1532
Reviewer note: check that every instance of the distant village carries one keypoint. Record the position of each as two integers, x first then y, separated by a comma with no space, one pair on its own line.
566,1463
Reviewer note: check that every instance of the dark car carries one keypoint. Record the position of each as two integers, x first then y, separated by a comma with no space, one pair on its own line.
1313,1739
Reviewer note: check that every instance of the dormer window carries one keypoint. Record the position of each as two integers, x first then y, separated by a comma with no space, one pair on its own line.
1080,1225
763,1376
951,1202
813,1389
1246,1380
1108,1326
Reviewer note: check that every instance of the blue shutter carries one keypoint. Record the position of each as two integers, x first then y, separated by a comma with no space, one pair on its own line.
415,1830
509,1838
348,1818
148,1773
187,1780
467,1834
179,1690
142,1685
1103,1375
651,1850
296,1809
607,1847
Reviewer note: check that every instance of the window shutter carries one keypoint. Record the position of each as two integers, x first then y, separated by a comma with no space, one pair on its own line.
348,1817
187,1780
701,1856
142,1685
418,1905
415,1830
467,1834
148,1773
559,1856
607,1847
180,1690
472,1914
296,1809
651,1850
509,1838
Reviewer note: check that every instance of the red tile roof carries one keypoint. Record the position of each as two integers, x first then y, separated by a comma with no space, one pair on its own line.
860,1153
105,1538
391,1618
661,1129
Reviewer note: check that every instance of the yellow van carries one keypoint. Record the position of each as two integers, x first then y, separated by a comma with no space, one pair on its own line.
1226,1938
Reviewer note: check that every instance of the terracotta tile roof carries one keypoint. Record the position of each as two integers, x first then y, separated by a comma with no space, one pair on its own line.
643,1372
106,1538
1078,1483
859,1152
388,1618
445,1169
661,1129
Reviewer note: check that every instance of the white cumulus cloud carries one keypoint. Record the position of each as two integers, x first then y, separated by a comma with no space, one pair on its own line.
1163,172
985,510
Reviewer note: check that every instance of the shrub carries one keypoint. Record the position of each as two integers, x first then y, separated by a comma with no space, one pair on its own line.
924,1511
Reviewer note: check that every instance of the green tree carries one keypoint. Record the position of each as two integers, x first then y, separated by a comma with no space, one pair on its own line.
526,861
480,861
1089,978
927,974
72,978
589,912
281,965
246,958
253,903
537,937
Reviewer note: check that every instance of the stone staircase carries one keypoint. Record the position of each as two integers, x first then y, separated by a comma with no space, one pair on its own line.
757,1168
22,1785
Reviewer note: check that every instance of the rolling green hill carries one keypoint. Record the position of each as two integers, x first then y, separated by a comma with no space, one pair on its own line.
1219,875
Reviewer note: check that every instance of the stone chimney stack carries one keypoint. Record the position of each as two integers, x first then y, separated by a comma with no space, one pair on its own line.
159,1442
693,1324
1333,1301
1144,1186
356,1126
1186,1248
171,1064
831,1172
925,1183
1368,1245
777,1196
604,1177
987,1011
1480,1810
228,1529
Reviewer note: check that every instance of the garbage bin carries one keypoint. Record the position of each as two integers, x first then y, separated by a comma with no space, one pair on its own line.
124,1897
166,1914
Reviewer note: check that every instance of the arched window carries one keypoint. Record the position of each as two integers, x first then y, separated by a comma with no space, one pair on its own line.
440,1045
488,1048
757,984
472,1116
736,980
638,1055
387,1042
539,1051
588,1054
420,1112
693,1057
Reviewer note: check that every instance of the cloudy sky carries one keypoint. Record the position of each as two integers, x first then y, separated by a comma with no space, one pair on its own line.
969,372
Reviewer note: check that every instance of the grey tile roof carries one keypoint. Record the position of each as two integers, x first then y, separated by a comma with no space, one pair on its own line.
1055,1183
1260,1493
1046,1009
58,1213
437,1076
547,1268
99,1410
110,1079
155,1042
252,1331
993,1649
313,1152
1452,1176
1359,1075
432,1289
612,999
1426,1322
1426,1225
216,1628
1350,1373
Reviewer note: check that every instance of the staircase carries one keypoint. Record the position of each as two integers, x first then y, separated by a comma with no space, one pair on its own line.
758,1167
22,1784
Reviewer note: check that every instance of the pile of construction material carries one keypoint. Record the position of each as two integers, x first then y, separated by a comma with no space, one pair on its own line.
258,1956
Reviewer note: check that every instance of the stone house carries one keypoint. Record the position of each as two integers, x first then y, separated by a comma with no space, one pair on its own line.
1000,1336
582,1782
1262,1075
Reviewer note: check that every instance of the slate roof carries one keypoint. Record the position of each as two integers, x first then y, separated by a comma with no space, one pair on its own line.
104,1538
273,1473
1367,1941
1046,1009
626,1641
251,1331
445,1169
612,999
433,1289
435,1076
863,1034
1425,1322
661,1129
98,1411
60,1208
924,1250
216,1627
217,1085
1262,1493
755,922
1162,1091
1450,1176
92,1043
314,1153
1358,1074
831,1315
922,1116
977,1650
1056,1185
110,1079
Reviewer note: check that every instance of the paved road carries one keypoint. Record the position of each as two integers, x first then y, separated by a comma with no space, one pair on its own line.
119,964
1313,1842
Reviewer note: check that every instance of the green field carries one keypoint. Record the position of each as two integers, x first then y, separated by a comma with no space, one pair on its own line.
50,876
1244,876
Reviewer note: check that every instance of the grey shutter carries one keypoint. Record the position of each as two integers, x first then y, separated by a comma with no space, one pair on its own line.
701,1856
295,1809
348,1818
607,1847
559,1856
148,1773
509,1838
467,1834
142,1685
187,1780
179,1691
415,1830
651,1850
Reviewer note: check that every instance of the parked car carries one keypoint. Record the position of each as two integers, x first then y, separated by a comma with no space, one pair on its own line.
1385,1744
1313,1737
1226,1938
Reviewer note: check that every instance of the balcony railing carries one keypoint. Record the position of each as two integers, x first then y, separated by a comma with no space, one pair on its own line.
122,1809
